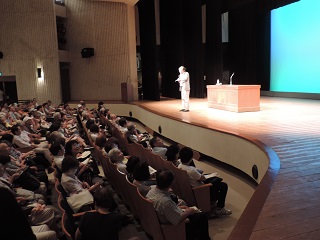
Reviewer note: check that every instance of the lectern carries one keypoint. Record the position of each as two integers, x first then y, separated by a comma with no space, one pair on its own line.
235,98
126,92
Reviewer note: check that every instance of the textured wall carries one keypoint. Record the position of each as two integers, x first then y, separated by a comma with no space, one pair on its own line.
28,40
108,28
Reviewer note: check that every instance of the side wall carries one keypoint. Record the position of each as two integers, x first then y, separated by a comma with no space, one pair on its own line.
28,40
108,27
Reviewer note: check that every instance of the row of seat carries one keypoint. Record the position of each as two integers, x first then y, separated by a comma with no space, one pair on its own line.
69,217
193,196
141,208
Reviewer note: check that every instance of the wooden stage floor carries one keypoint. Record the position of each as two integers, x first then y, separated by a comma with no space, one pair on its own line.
291,127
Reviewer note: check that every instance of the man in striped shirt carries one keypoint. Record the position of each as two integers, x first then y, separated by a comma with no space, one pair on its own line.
169,212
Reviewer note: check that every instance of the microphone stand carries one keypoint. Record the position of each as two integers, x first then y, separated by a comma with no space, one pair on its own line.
231,78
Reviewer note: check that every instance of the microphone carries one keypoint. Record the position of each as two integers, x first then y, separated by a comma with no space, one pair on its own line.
231,78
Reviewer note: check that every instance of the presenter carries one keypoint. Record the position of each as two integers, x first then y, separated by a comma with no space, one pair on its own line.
184,82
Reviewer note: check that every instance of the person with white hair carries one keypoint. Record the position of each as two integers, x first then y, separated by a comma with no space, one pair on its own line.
117,158
184,83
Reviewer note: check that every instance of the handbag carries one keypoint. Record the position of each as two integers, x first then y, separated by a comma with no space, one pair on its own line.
76,201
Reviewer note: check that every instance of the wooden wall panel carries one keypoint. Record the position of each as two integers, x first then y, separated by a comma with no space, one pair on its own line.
103,26
28,40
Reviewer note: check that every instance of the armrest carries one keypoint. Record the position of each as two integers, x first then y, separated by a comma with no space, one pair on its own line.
202,196
175,232
79,214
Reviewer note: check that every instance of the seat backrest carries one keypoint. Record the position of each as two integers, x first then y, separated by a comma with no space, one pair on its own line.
151,224
68,227
146,155
123,187
57,173
133,195
185,188
113,169
148,217
193,196
157,161
175,185
62,191
136,149
104,162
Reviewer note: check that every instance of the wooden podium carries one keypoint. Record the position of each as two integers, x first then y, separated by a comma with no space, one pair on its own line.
235,98
126,92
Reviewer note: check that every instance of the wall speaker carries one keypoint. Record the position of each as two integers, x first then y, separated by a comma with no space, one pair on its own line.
1,55
87,52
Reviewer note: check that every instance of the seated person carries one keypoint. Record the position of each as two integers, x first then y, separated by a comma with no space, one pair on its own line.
76,149
172,154
3,125
71,183
142,178
111,143
103,223
218,190
123,125
94,132
15,218
117,158
158,147
57,150
101,140
20,161
130,165
11,173
32,204
29,127
22,140
169,212
134,137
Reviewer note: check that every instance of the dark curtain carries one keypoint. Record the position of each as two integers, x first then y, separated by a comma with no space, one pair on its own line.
249,46
181,44
242,43
148,47
214,48
263,50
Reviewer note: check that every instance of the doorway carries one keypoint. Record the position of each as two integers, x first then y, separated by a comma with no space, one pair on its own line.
65,81
9,87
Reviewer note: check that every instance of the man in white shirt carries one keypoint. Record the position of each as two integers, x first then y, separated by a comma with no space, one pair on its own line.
184,82
218,190
22,140
158,147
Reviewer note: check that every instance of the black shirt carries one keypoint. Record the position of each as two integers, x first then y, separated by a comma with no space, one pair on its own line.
94,225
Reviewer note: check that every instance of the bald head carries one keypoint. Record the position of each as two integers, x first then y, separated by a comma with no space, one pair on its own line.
4,149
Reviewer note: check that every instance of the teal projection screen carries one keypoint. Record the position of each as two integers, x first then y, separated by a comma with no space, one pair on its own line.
295,48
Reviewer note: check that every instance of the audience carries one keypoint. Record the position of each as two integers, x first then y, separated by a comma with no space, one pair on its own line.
25,125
